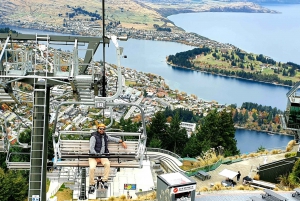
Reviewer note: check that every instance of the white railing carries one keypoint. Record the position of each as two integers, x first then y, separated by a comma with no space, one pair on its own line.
164,151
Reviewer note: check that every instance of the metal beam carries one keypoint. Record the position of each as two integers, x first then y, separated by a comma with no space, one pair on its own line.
4,47
93,45
93,42
54,38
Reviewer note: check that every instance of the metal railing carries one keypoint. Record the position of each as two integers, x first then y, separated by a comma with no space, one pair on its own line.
165,152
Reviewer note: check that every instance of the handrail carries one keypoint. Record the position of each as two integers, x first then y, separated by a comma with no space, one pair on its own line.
164,151
88,133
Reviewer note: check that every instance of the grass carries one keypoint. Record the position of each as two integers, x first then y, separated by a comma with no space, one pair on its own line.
130,83
209,60
65,194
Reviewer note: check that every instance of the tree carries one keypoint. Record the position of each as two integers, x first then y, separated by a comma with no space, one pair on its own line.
192,148
254,115
157,128
176,136
227,131
209,130
216,130
14,186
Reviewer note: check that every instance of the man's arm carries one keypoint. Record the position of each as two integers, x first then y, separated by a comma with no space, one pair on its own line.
117,140
92,145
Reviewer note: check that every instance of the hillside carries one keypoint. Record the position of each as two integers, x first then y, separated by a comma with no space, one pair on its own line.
140,14
237,63
55,12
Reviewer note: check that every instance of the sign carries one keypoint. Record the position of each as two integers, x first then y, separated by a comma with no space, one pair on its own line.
35,198
129,186
182,189
100,104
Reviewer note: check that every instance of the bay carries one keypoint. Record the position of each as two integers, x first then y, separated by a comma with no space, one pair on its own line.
274,35
249,141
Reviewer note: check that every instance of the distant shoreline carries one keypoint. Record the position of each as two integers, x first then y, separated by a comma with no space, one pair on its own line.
176,66
263,131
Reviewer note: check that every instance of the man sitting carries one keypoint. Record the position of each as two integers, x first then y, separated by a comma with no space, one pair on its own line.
98,145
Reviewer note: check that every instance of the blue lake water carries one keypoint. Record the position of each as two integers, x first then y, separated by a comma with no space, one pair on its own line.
249,141
274,35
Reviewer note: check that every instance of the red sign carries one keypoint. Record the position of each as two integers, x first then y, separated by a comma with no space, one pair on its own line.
175,190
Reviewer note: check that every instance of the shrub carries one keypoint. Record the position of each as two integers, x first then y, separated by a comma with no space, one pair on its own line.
275,151
292,143
112,198
251,155
290,154
123,197
218,186
256,177
260,149
289,148
240,187
294,176
283,180
244,156
203,189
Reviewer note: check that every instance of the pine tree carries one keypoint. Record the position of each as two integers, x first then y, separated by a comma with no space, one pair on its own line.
227,131
157,128
177,136
192,148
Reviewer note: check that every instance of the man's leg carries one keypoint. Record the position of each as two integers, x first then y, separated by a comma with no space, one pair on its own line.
105,162
92,165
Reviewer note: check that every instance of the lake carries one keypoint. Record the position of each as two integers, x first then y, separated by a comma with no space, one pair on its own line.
249,141
274,35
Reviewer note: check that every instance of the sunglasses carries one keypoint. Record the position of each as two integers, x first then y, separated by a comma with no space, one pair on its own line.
102,129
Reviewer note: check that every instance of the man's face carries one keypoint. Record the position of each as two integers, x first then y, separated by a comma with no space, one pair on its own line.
101,130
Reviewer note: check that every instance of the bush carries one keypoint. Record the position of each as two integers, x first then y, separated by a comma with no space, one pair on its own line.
290,145
290,154
283,180
256,177
294,176
203,189
244,156
218,186
276,151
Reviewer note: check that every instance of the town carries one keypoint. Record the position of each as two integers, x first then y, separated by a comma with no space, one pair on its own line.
145,89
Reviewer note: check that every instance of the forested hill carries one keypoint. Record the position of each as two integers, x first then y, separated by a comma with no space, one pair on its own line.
238,63
7,30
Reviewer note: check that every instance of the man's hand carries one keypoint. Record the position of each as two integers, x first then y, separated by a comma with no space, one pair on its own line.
123,144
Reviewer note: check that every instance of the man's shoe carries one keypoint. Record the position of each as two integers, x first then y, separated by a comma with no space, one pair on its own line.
91,189
105,184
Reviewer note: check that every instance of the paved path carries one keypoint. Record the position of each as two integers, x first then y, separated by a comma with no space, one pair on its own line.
244,167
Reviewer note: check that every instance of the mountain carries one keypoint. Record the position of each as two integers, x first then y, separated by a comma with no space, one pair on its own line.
138,14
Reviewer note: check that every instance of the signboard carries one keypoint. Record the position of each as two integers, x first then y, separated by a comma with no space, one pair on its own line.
35,198
100,104
129,186
182,189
